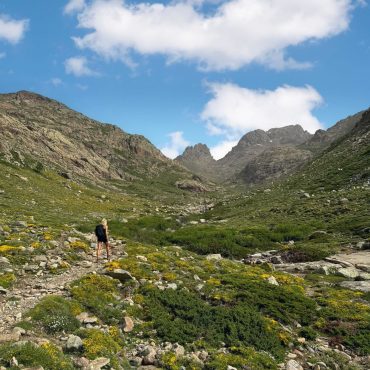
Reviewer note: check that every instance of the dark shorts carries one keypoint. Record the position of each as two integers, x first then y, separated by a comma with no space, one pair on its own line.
102,240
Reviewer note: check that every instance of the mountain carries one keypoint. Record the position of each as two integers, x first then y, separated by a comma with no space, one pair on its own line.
40,132
250,147
322,139
256,142
198,159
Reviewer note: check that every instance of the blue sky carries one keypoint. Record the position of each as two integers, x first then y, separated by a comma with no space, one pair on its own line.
192,71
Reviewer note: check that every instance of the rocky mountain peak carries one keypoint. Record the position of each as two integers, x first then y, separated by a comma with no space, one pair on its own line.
198,151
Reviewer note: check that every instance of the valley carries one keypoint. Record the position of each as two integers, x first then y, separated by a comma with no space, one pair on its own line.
271,272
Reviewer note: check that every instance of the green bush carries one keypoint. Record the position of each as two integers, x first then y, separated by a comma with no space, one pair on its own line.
47,355
55,314
180,316
97,294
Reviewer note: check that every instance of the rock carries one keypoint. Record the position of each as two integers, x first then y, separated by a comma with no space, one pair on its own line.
81,362
306,195
365,268
20,224
33,368
301,340
214,257
84,318
19,331
142,258
348,272
231,367
276,260
128,324
40,258
3,290
14,362
271,280
4,261
172,286
119,274
13,337
98,363
30,268
149,354
179,350
74,342
293,365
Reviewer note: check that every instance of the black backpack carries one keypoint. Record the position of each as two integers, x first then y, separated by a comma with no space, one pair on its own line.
99,231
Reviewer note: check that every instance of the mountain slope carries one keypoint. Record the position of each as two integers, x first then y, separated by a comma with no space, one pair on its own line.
37,131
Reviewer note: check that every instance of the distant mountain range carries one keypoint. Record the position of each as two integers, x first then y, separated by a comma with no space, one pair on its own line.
262,156
39,132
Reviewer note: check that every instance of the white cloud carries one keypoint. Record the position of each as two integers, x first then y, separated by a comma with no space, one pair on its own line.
176,145
220,150
234,110
2,55
74,6
78,66
56,81
12,30
237,33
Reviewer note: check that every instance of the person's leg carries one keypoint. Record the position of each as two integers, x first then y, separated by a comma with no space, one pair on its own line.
98,247
108,250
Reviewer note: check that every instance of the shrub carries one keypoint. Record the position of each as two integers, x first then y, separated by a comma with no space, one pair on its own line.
99,344
47,355
241,358
55,314
7,279
308,333
97,293
180,316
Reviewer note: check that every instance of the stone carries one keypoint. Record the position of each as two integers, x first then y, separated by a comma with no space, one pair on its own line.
348,272
12,337
119,274
33,368
272,280
81,362
98,363
362,267
128,324
3,290
214,257
74,342
149,354
4,261
172,286
19,331
20,224
179,350
142,258
293,365
231,367
301,340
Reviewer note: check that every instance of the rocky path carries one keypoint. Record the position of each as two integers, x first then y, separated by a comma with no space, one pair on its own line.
32,287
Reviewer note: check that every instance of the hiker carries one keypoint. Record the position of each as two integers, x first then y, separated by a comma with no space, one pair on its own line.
101,232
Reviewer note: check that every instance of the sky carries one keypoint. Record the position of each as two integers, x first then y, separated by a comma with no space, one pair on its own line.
188,71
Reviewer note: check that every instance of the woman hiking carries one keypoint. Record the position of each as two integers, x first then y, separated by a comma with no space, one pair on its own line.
101,232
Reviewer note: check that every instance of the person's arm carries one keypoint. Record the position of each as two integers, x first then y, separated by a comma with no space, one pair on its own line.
106,232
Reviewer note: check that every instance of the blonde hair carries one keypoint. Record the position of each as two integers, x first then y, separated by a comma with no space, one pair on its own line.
104,222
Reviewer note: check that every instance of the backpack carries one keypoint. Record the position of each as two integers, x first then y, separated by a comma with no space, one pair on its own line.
99,231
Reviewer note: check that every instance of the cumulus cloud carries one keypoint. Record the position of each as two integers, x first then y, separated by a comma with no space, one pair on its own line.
235,110
78,66
12,30
236,33
74,6
176,145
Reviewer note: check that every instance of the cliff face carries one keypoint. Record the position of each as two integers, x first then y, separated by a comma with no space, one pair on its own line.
35,129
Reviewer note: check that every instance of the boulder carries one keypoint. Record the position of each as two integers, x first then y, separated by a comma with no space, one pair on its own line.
272,280
214,257
98,363
74,342
293,365
363,286
149,354
348,272
128,324
119,274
